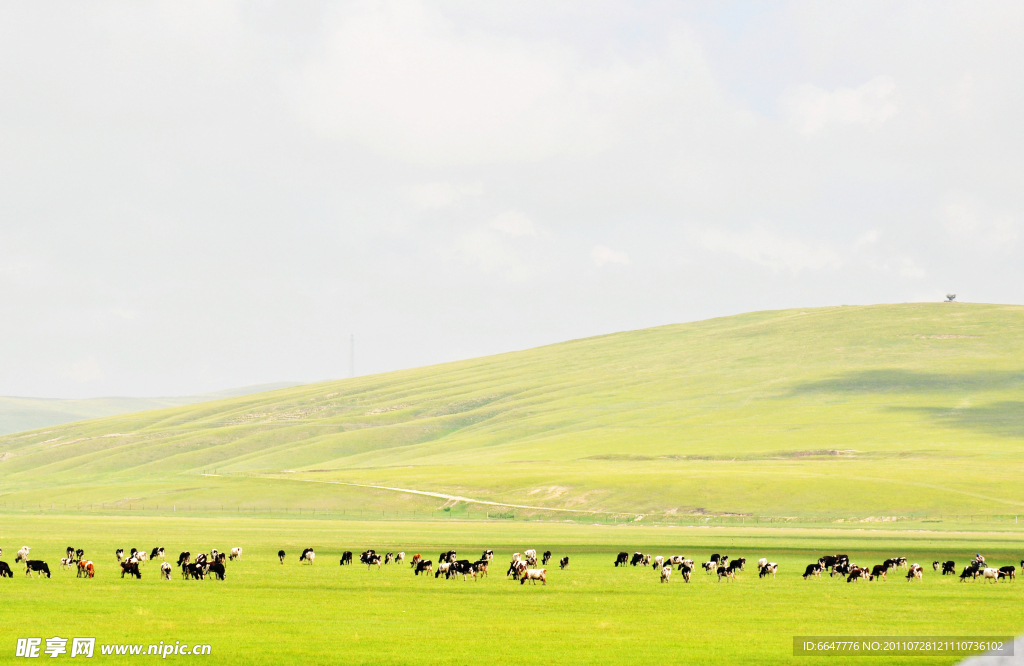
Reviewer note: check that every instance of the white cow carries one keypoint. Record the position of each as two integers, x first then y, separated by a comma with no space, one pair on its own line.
236,554
22,554
165,569
659,562
761,562
530,556
400,557
534,575
665,573
989,573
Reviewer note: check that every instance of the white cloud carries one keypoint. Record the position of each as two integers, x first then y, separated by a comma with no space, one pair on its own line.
85,370
969,222
514,223
443,195
771,250
605,255
493,254
811,109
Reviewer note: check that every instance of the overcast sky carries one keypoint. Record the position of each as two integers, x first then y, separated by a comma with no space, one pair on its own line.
195,196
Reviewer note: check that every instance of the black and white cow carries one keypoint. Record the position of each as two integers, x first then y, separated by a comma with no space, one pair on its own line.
487,555
878,571
280,556
637,559
685,570
857,573
623,557
155,553
767,568
736,565
546,558
727,573
5,570
372,560
915,571
38,566
564,562
949,568
970,571
423,566
184,557
217,569
1008,572
388,557
448,556
462,568
22,555
307,556
813,570
236,553
130,567
165,570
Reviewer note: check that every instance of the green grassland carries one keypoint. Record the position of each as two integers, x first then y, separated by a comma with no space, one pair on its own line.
846,412
591,613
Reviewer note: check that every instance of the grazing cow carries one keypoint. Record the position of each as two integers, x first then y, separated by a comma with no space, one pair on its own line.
988,573
462,568
685,570
37,566
665,573
346,558
365,556
530,556
686,562
140,556
935,565
217,569
637,559
307,556
155,553
710,567
915,571
236,554
481,567
130,567
280,556
812,570
761,562
183,557
675,559
165,569
388,557
716,558
564,562
622,558
647,560
196,571
442,568
534,575
71,552
878,571
891,563
659,562
86,569
725,572
423,566
971,571
416,560
22,555
856,573
827,561
400,558
487,555
371,560
768,568
448,556
949,568
546,558
1008,572
842,569
5,570
736,565
81,569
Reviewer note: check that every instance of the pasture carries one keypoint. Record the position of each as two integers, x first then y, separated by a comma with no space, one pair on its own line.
591,613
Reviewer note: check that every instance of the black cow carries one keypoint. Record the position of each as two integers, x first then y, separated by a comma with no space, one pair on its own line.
856,573
547,557
878,571
130,567
79,554
5,570
716,558
685,571
38,566
827,561
1008,572
564,562
812,570
71,553
423,566
949,568
196,571
637,559
736,565
462,568
183,558
892,563
346,558
742,563
622,558
218,570
971,571
280,556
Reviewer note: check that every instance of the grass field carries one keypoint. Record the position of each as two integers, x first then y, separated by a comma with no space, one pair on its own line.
591,613
851,412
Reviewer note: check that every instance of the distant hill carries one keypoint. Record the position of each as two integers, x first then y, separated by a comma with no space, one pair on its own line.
872,411
18,414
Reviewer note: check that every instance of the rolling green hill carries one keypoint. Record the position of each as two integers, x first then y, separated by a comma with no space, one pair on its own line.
850,412
18,414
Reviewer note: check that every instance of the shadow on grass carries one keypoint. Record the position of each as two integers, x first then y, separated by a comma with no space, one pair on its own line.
1004,419
911,381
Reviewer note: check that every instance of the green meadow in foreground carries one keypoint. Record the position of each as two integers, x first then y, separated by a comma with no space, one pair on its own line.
846,413
591,613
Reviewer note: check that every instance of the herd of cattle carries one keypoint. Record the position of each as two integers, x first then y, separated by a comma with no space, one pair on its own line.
523,567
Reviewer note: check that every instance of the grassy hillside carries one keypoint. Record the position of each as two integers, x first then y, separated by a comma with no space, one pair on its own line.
847,411
18,414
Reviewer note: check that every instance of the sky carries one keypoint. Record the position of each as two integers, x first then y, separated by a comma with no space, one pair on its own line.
202,195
